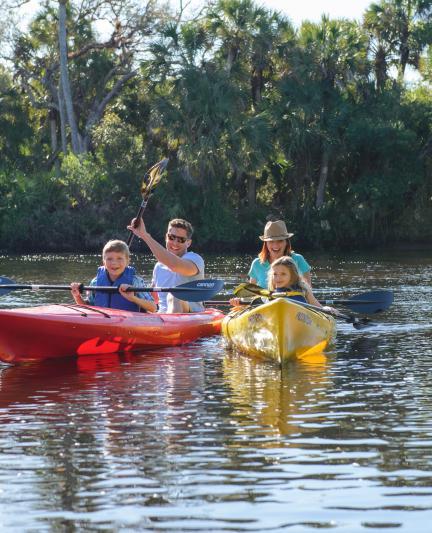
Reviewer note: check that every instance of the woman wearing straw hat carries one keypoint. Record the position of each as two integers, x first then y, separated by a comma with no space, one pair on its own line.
276,244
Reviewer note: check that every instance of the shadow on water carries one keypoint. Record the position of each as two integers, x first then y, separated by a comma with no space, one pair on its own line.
363,347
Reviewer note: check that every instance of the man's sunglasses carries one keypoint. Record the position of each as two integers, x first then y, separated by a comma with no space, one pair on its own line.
172,237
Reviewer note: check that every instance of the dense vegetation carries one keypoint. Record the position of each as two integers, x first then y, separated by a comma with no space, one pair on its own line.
316,125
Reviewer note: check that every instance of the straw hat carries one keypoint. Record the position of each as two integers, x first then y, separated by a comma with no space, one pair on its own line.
275,231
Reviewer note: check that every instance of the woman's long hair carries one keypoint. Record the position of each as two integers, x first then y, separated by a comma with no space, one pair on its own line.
264,253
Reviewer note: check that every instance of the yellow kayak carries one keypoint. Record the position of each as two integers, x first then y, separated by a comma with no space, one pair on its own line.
279,330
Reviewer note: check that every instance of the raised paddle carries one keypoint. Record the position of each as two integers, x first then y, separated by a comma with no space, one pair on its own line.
151,179
369,302
193,291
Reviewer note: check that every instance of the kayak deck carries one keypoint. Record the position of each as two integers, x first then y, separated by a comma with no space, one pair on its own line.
279,330
51,331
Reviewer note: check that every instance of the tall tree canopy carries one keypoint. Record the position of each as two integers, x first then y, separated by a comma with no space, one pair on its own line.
319,125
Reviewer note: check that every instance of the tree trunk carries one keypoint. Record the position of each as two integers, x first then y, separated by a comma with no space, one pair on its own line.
380,66
63,118
232,56
256,85
64,76
251,191
403,53
53,130
322,179
54,142
372,226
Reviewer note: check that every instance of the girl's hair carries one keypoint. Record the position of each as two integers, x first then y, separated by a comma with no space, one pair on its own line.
297,279
116,246
264,254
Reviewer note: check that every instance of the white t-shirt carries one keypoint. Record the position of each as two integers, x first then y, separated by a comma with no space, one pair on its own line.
164,277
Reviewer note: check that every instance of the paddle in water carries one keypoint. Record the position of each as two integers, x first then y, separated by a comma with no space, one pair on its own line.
193,291
151,179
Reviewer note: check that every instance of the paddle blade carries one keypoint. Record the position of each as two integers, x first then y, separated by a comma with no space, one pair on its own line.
153,177
360,323
246,290
370,302
5,281
198,290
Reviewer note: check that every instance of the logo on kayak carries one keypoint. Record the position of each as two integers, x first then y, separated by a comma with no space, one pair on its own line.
255,319
303,317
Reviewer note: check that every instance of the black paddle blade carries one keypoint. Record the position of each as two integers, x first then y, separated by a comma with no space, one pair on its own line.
370,302
5,281
198,290
360,323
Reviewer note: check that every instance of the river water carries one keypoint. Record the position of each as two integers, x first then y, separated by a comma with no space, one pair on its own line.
199,438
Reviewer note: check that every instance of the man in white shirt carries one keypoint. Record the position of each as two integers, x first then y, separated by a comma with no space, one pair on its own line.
176,265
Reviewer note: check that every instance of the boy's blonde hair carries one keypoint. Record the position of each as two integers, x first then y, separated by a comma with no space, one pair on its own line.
118,246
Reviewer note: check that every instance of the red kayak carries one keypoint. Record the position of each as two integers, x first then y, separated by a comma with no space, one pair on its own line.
43,332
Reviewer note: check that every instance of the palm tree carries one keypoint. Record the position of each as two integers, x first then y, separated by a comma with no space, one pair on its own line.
251,38
250,42
401,30
331,57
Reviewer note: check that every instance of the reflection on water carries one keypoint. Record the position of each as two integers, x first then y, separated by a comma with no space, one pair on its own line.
197,438
284,401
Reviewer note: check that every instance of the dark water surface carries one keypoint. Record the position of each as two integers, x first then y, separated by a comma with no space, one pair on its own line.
201,439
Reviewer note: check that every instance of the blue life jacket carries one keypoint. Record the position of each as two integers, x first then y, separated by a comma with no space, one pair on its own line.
114,300
293,293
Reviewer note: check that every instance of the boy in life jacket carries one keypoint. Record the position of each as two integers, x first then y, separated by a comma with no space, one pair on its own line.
116,272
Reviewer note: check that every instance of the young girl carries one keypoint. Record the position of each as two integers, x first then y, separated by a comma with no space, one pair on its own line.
284,277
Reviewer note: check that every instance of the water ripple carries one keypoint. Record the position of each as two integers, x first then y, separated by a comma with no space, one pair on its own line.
200,439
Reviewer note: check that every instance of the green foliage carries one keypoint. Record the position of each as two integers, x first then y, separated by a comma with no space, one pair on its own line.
257,120
77,210
212,217
28,210
15,130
